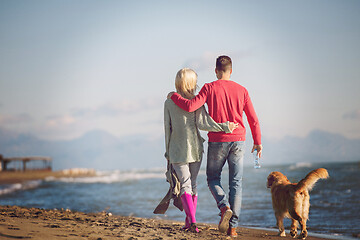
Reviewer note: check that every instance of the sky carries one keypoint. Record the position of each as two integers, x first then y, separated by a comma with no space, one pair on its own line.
69,67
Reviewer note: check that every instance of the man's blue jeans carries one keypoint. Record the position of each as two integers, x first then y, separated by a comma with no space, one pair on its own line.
233,154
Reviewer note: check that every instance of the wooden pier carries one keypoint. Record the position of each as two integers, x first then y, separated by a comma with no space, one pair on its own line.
22,163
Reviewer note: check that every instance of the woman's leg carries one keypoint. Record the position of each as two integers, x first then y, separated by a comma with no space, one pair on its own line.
194,172
184,174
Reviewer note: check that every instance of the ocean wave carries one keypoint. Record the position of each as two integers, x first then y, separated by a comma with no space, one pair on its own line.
20,186
114,176
301,165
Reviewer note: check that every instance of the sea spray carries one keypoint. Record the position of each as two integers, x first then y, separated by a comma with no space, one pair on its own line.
10,188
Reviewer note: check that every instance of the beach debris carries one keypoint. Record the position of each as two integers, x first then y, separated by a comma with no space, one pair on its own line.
53,226
136,224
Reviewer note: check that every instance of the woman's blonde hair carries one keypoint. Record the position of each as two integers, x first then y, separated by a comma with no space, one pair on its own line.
185,82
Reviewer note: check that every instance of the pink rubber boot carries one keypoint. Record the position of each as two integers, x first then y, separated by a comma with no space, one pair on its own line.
187,224
187,219
195,198
188,204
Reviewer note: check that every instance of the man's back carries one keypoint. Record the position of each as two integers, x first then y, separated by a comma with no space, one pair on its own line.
226,100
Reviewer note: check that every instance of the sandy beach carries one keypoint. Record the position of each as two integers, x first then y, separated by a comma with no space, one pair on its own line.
10,177
33,223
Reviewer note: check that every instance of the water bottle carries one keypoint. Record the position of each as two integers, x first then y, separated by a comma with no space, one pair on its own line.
256,160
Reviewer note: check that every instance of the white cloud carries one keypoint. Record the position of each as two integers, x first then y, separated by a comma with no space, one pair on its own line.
207,60
121,118
114,109
353,115
15,119
58,120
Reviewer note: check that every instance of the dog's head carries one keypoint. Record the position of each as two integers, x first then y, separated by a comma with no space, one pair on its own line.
276,178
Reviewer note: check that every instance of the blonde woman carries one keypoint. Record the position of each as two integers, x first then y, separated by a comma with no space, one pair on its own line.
184,144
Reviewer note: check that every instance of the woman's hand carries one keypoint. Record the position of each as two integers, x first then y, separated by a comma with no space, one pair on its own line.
233,126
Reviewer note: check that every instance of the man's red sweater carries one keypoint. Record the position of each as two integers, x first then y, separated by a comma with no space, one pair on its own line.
226,101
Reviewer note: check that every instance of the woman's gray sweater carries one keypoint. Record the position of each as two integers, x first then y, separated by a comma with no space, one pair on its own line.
183,141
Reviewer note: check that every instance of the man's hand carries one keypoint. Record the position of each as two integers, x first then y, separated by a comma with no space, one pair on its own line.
258,148
170,94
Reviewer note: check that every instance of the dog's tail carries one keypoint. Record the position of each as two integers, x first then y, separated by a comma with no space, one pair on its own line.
309,181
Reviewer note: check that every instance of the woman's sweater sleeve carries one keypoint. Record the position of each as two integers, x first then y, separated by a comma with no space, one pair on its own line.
205,122
167,127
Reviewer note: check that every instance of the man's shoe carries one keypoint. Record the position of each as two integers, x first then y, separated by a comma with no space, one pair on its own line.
226,214
232,232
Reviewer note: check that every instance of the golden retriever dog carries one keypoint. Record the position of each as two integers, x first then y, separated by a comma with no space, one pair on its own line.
292,200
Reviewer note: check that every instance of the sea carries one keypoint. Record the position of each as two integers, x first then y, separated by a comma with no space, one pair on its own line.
334,210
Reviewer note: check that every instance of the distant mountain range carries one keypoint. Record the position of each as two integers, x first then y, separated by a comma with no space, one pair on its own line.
96,149
100,150
318,146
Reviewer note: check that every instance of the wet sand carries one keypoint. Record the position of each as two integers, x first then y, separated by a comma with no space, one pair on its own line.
33,223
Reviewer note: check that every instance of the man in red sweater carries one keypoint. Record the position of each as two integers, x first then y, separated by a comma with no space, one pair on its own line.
226,101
